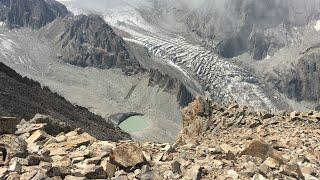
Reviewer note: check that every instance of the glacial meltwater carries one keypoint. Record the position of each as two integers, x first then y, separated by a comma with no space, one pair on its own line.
134,124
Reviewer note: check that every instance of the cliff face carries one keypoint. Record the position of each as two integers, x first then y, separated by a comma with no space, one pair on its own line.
301,80
30,13
23,98
89,41
170,84
232,26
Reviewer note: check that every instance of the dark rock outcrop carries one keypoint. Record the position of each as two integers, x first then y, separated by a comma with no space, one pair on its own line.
30,13
172,85
23,98
89,41
301,81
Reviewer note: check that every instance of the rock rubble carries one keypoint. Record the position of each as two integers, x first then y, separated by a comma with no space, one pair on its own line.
217,142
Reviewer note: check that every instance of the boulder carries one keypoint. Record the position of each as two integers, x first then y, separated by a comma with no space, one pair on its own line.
109,168
29,128
262,150
53,126
3,172
38,135
15,146
194,173
69,177
92,171
8,125
15,166
127,155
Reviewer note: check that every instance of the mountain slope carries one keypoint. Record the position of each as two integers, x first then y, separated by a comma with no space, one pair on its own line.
89,41
23,98
31,13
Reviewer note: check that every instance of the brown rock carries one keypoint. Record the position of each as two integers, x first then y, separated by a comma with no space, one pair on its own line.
232,174
251,169
33,159
15,166
15,146
294,115
61,166
3,172
267,116
71,143
39,176
127,155
194,173
272,163
76,154
262,150
264,169
94,172
109,168
292,170
94,160
38,135
29,175
176,167
74,178
13,176
258,177
8,125
226,148
29,128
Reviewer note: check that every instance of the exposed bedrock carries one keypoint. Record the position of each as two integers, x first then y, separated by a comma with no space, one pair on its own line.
227,25
87,41
173,85
30,13
301,81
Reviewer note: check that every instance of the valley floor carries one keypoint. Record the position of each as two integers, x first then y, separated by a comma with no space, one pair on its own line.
104,92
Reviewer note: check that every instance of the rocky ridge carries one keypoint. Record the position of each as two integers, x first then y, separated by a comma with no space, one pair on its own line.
30,13
87,40
22,97
217,142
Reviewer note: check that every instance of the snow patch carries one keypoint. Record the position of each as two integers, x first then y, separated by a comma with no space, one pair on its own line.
2,23
317,26
268,57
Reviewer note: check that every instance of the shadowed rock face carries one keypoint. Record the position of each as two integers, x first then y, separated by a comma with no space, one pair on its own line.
170,84
23,98
30,13
89,41
301,82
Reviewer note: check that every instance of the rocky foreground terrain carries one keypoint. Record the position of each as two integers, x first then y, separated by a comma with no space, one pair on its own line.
23,98
217,142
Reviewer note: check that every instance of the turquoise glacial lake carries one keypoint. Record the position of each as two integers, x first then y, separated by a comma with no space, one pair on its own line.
134,124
